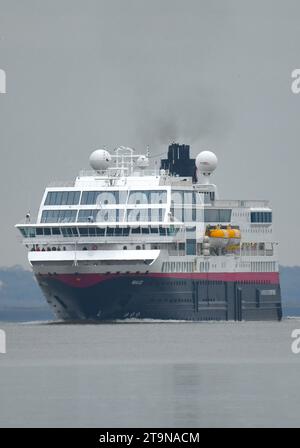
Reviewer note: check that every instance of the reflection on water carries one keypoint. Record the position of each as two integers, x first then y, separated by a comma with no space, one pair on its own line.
163,375
187,391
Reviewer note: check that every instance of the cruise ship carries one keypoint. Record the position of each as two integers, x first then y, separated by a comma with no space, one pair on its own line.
124,240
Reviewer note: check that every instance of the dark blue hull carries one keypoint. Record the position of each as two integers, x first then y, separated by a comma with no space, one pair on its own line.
161,297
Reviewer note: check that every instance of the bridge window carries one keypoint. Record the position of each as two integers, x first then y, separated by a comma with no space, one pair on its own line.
97,215
91,231
62,198
110,231
99,197
162,231
121,197
87,215
39,231
84,231
43,231
59,216
28,232
143,214
69,231
147,197
117,215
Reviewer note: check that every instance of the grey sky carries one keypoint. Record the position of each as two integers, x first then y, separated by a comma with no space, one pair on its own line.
215,74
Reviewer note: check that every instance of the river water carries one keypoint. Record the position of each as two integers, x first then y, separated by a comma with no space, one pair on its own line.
150,374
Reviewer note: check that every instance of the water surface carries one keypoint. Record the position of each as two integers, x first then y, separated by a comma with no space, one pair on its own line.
150,374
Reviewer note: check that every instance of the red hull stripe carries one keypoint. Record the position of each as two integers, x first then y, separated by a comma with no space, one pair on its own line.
87,280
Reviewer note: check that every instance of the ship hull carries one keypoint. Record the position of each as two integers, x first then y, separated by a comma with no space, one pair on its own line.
192,297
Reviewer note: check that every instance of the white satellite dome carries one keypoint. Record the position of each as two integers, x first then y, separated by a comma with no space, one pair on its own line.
100,159
206,162
142,162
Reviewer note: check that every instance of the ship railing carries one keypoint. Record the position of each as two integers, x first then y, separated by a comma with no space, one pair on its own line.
174,253
61,184
248,203
175,181
117,173
122,239
32,221
257,253
155,228
32,233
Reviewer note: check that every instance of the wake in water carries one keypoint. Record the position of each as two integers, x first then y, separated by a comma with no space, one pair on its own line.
132,320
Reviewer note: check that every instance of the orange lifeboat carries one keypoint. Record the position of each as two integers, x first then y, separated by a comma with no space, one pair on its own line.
234,238
218,236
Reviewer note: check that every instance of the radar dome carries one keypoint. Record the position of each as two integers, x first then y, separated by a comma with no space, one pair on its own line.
206,162
100,159
142,162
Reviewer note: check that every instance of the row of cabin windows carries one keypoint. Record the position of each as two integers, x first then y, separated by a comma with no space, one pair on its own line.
122,197
203,215
32,232
134,215
179,199
261,217
117,215
105,197
144,215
